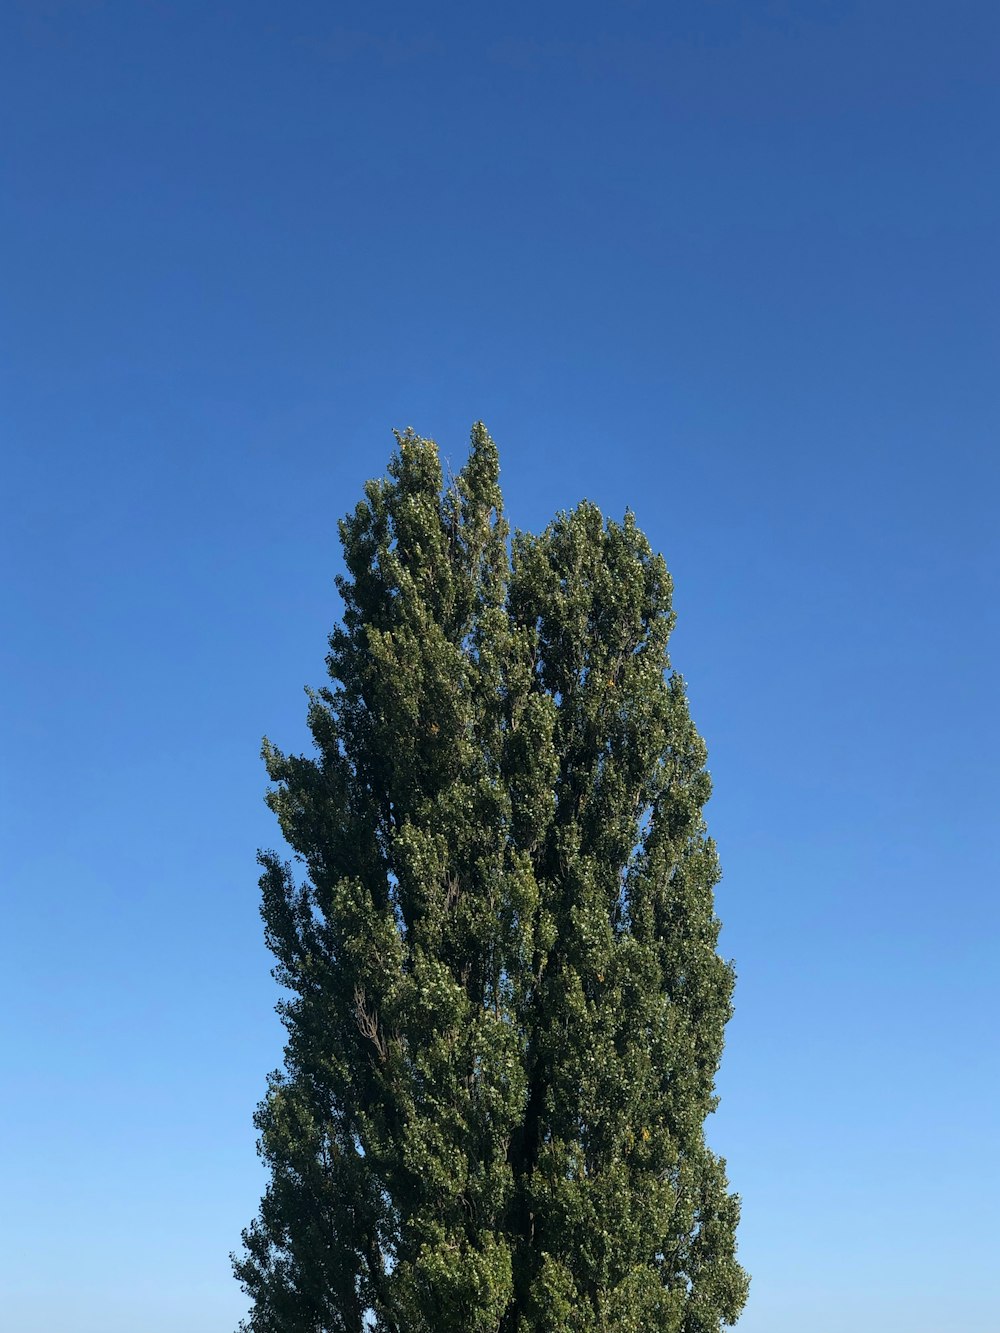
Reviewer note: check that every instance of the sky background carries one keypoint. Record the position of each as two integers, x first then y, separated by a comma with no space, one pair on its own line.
732,263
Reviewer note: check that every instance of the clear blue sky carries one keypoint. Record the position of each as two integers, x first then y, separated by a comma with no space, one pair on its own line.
732,263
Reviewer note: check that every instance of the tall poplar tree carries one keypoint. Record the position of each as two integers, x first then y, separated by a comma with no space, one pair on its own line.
504,1008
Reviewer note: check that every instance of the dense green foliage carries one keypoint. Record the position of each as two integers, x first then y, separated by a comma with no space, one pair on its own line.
505,1008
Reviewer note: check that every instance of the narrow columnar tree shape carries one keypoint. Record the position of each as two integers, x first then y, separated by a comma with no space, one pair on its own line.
504,1008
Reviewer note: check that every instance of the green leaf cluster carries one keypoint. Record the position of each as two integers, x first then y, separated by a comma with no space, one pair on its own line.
505,1008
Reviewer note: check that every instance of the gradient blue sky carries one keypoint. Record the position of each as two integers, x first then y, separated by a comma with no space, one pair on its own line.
734,264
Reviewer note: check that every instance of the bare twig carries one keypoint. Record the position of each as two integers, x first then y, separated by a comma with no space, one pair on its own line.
368,1022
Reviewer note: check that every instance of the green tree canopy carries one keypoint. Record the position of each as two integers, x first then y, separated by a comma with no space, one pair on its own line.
505,1008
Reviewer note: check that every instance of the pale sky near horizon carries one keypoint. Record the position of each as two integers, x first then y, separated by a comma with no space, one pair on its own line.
731,263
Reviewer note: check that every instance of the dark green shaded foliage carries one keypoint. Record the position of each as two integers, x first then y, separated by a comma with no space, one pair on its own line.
505,1008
